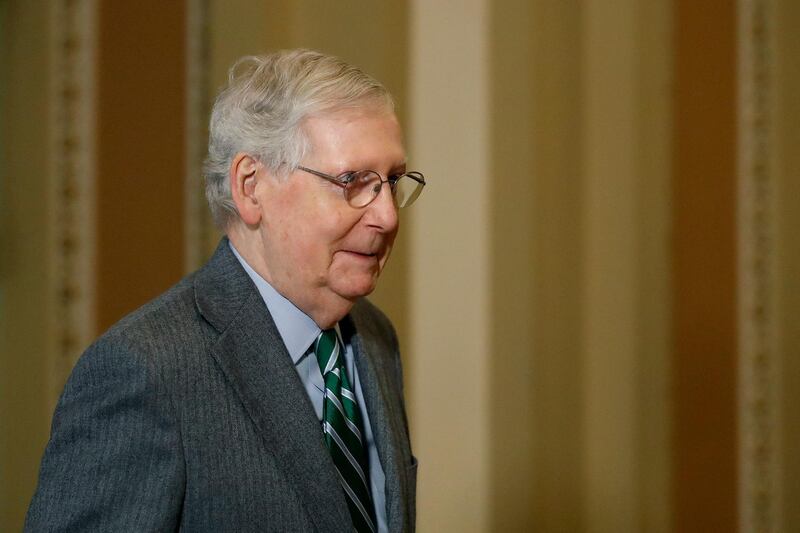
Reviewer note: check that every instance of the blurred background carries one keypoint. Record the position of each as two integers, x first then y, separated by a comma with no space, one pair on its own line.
596,296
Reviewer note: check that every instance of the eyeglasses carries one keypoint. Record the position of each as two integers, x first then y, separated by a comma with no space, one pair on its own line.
360,187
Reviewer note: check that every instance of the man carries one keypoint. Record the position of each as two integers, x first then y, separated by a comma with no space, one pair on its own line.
261,393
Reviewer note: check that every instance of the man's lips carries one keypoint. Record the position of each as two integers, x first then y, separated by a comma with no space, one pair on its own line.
362,254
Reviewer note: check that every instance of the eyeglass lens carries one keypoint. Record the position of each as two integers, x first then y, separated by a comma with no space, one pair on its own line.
365,185
406,190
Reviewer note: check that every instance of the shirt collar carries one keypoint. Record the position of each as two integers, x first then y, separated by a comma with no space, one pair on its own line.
296,328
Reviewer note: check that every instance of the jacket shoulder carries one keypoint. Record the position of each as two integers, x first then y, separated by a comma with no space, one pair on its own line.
164,317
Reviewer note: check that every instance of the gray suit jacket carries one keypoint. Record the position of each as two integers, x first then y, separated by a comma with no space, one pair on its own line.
189,415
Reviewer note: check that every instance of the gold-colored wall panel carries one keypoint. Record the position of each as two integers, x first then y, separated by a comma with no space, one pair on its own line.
140,154
512,195
24,219
624,297
785,155
535,249
704,267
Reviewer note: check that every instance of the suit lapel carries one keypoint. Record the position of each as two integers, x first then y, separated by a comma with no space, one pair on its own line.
383,415
252,356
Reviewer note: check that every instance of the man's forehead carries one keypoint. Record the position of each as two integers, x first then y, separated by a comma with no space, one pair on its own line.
368,128
345,115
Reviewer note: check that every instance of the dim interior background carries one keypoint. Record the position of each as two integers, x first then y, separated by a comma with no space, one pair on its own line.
596,296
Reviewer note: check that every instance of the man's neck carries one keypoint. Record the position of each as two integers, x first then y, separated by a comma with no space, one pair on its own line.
324,307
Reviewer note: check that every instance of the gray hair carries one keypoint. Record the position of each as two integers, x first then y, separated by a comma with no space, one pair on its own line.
262,109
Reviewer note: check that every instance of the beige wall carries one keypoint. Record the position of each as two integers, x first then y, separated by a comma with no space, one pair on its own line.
450,266
545,287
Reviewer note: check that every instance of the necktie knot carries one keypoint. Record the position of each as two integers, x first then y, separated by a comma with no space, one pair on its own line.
326,349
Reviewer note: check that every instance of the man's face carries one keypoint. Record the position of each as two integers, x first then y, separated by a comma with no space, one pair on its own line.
318,249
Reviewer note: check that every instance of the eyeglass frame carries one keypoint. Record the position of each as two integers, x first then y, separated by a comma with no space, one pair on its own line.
342,182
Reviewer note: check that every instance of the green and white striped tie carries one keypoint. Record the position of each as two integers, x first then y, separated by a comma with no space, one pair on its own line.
341,425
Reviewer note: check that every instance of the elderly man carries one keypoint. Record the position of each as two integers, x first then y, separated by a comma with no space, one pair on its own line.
263,392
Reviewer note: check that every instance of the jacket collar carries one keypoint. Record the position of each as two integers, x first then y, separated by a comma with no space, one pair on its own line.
372,363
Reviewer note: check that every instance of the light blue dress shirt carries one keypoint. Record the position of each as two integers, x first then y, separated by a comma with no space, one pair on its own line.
299,332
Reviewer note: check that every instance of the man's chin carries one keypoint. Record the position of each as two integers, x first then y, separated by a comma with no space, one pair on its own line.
355,289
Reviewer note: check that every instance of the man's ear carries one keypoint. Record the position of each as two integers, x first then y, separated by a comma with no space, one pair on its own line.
242,176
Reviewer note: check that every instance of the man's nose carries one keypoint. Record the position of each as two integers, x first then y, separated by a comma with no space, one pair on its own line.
383,210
